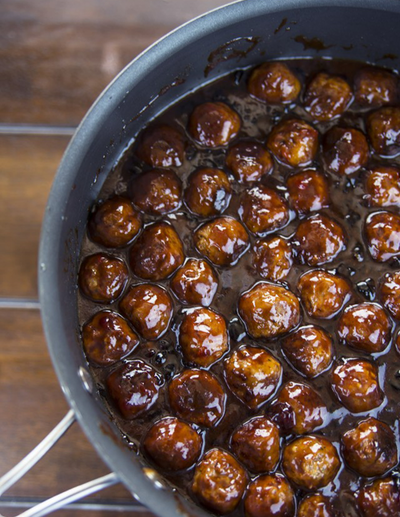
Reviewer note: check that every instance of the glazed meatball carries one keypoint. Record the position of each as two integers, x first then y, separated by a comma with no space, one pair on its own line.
269,310
157,192
173,444
383,127
344,150
149,309
272,258
249,161
114,223
274,83
270,496
223,241
102,278
263,210
370,448
309,350
311,462
318,240
195,283
323,294
375,87
208,192
293,142
256,444
356,385
382,231
134,388
213,124
252,374
380,499
219,481
157,253
315,505
203,337
107,338
327,96
308,191
382,186
390,293
162,146
198,397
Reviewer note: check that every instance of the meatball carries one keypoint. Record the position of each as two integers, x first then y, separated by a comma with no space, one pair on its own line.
309,350
270,496
383,127
249,161
272,258
107,338
375,87
311,462
263,210
318,240
198,397
162,146
102,278
252,374
365,327
157,253
269,310
208,192
382,231
274,83
134,388
327,96
356,385
315,505
114,223
382,186
323,294
223,241
213,124
149,309
195,283
381,498
157,192
256,444
219,481
344,150
370,448
173,444
390,293
203,337
293,142
308,191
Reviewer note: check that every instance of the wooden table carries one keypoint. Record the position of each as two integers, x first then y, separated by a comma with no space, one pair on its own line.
55,58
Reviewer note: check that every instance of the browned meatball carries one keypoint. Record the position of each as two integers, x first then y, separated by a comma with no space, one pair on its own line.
263,210
162,146
269,310
383,127
380,499
249,161
375,87
173,444
208,192
308,191
365,327
293,142
102,278
219,481
382,186
272,258
397,343
315,505
134,388
203,337
107,338
195,283
370,448
252,374
157,253
157,192
256,444
213,124
309,350
274,83
318,240
323,294
382,231
327,96
270,496
223,241
198,397
149,309
344,150
114,223
390,293
311,462
356,385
